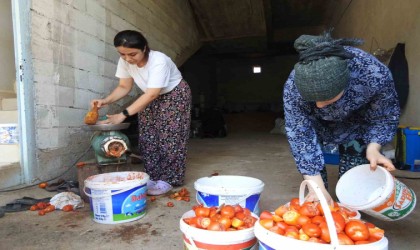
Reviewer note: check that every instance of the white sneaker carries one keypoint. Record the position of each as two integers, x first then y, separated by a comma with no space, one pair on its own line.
158,187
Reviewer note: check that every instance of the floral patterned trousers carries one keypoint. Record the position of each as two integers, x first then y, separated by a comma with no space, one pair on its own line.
164,128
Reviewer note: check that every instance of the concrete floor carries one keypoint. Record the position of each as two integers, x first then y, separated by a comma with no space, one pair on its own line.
249,151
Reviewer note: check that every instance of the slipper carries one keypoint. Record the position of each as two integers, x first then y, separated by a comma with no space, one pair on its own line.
31,201
22,204
158,187
69,186
53,186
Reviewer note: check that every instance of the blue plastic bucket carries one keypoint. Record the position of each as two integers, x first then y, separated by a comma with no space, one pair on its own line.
229,190
117,197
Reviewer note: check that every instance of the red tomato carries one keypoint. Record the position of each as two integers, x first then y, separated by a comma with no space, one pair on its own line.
215,226
376,233
348,212
290,217
294,204
238,208
267,223
316,240
204,222
277,218
225,221
362,242
246,211
282,225
302,220
325,234
343,239
292,229
249,221
357,230
266,215
318,219
312,230
292,235
339,221
303,236
228,211
277,230
309,209
281,210
202,211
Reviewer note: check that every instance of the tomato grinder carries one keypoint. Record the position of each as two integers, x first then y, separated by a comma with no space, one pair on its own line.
109,144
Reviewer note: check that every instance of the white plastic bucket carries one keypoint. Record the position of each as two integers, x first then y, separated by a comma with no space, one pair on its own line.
229,190
376,193
270,241
198,239
117,197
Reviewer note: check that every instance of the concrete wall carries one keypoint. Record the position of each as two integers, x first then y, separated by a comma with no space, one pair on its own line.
388,22
7,58
74,61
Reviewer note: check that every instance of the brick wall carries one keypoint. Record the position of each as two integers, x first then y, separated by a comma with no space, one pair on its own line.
74,61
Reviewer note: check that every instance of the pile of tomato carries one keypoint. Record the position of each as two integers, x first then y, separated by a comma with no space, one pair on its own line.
307,222
223,218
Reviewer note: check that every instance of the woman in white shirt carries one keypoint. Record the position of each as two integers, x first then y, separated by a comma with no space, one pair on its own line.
163,109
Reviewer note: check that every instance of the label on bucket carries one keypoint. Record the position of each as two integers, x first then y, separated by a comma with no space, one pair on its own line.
109,208
250,202
399,204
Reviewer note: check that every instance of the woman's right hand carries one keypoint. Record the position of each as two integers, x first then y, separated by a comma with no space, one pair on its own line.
100,103
311,196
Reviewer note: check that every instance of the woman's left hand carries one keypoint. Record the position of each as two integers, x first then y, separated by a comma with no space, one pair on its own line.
113,119
375,157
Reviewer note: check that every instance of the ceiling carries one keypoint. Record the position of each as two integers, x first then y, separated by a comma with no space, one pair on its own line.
259,27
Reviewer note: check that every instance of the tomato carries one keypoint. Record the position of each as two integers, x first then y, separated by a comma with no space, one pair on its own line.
49,208
277,218
290,217
170,204
215,217
204,222
41,205
215,226
376,233
249,221
213,211
281,210
312,230
292,229
316,240
357,230
362,242
267,223
294,204
318,219
67,208
240,215
266,215
282,225
303,236
41,212
343,239
34,208
246,211
302,220
194,222
325,234
43,185
292,234
309,209
228,211
277,230
236,222
225,221
348,212
202,211
338,221
238,208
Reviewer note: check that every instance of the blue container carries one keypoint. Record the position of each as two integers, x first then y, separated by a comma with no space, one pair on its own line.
331,158
411,148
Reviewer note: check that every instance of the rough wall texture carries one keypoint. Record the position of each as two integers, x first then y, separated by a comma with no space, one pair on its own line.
74,61
388,22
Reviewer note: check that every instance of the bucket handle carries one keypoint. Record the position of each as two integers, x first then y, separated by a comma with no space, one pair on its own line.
324,204
192,241
107,195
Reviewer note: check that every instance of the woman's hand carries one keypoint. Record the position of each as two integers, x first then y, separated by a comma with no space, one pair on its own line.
100,103
311,196
375,157
113,119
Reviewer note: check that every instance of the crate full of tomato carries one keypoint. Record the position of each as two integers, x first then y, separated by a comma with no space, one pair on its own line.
219,228
300,224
